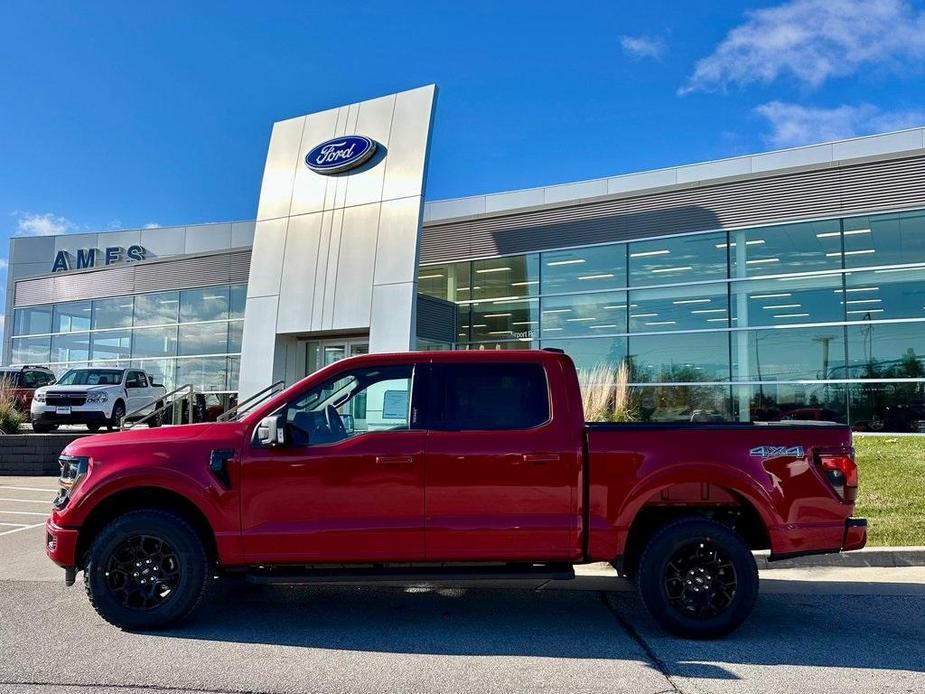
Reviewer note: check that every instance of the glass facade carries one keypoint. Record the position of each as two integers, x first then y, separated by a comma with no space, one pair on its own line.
187,336
813,320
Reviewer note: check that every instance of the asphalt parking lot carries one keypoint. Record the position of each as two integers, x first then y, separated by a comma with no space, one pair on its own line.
833,630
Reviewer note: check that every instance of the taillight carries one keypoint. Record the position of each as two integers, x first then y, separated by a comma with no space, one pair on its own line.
841,471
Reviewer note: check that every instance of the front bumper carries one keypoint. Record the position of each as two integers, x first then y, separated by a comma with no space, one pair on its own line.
76,416
61,544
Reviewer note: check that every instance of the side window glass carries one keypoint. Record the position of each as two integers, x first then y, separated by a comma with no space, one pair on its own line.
142,380
30,379
361,401
131,380
480,397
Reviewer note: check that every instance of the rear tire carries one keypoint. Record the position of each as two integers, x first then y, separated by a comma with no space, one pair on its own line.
146,569
698,578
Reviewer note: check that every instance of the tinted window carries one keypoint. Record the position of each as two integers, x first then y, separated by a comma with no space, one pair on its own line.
488,396
371,399
33,379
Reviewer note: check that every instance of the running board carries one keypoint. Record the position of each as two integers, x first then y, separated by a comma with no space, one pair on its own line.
529,574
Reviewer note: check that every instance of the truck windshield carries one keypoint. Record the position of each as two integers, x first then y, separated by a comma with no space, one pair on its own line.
91,377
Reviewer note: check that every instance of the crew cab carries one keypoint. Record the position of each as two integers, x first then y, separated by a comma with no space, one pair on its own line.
447,468
97,397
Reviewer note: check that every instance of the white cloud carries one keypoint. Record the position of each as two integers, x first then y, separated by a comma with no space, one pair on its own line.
152,225
639,47
3,264
813,41
793,125
47,224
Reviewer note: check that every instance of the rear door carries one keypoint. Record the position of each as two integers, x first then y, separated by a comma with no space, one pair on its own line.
502,470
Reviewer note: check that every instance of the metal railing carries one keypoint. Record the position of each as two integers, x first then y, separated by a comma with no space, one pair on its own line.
189,396
269,391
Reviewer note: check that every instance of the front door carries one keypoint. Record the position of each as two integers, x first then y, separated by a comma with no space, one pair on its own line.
348,484
503,471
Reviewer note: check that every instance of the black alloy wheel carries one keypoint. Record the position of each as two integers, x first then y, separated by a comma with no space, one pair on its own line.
143,572
146,569
698,578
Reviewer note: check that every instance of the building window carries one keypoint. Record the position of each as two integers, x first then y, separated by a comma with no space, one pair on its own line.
583,269
679,259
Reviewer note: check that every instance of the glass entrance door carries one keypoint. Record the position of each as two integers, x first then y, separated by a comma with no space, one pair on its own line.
325,352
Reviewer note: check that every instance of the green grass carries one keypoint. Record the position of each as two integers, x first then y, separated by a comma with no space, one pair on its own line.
892,488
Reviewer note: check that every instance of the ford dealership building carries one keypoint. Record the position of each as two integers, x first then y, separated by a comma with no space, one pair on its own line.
784,284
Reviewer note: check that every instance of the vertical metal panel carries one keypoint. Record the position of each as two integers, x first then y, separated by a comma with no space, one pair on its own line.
436,319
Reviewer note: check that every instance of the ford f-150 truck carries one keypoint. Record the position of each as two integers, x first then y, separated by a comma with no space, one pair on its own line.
444,468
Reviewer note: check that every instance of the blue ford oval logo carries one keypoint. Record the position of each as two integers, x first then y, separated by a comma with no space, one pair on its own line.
340,154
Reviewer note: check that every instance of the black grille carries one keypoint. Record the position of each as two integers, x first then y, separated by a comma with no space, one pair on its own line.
65,399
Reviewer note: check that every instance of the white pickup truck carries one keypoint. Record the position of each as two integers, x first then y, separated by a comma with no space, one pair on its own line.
96,397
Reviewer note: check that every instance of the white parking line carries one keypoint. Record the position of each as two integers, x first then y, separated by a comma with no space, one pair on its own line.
27,501
24,513
16,530
14,525
29,489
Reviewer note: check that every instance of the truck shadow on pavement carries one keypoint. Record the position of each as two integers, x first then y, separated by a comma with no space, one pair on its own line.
788,627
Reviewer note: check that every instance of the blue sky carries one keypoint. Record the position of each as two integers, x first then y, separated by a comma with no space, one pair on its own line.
118,115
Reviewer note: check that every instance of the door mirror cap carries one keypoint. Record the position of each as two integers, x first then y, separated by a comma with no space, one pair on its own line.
271,431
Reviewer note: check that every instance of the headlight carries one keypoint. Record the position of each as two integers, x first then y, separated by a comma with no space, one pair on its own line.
73,471
39,397
97,397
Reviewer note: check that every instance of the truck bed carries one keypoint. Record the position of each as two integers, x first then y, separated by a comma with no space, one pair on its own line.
766,470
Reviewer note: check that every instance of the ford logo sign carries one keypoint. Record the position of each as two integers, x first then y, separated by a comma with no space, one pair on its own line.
340,154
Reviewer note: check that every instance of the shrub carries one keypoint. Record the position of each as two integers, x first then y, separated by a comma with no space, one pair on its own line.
10,416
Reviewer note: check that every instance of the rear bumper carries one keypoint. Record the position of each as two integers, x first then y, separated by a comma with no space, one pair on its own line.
61,544
855,534
802,540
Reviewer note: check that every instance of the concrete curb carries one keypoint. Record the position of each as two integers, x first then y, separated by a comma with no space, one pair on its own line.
868,557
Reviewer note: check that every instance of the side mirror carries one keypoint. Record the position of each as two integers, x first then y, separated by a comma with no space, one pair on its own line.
271,431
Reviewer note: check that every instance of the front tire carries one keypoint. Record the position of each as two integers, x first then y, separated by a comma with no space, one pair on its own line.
93,428
158,417
118,414
147,569
698,578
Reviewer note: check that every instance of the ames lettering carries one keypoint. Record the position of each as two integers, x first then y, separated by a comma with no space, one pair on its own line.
87,257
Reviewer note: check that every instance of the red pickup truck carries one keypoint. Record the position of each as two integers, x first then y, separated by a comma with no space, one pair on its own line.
446,468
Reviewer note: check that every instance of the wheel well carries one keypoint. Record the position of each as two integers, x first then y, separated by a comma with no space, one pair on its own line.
139,498
741,517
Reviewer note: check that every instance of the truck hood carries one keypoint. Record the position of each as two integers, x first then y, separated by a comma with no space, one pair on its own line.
98,444
73,389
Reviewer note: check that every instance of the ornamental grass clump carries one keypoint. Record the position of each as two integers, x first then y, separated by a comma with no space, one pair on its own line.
11,418
606,394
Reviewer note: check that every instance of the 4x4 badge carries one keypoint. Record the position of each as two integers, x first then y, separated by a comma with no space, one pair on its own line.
766,452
